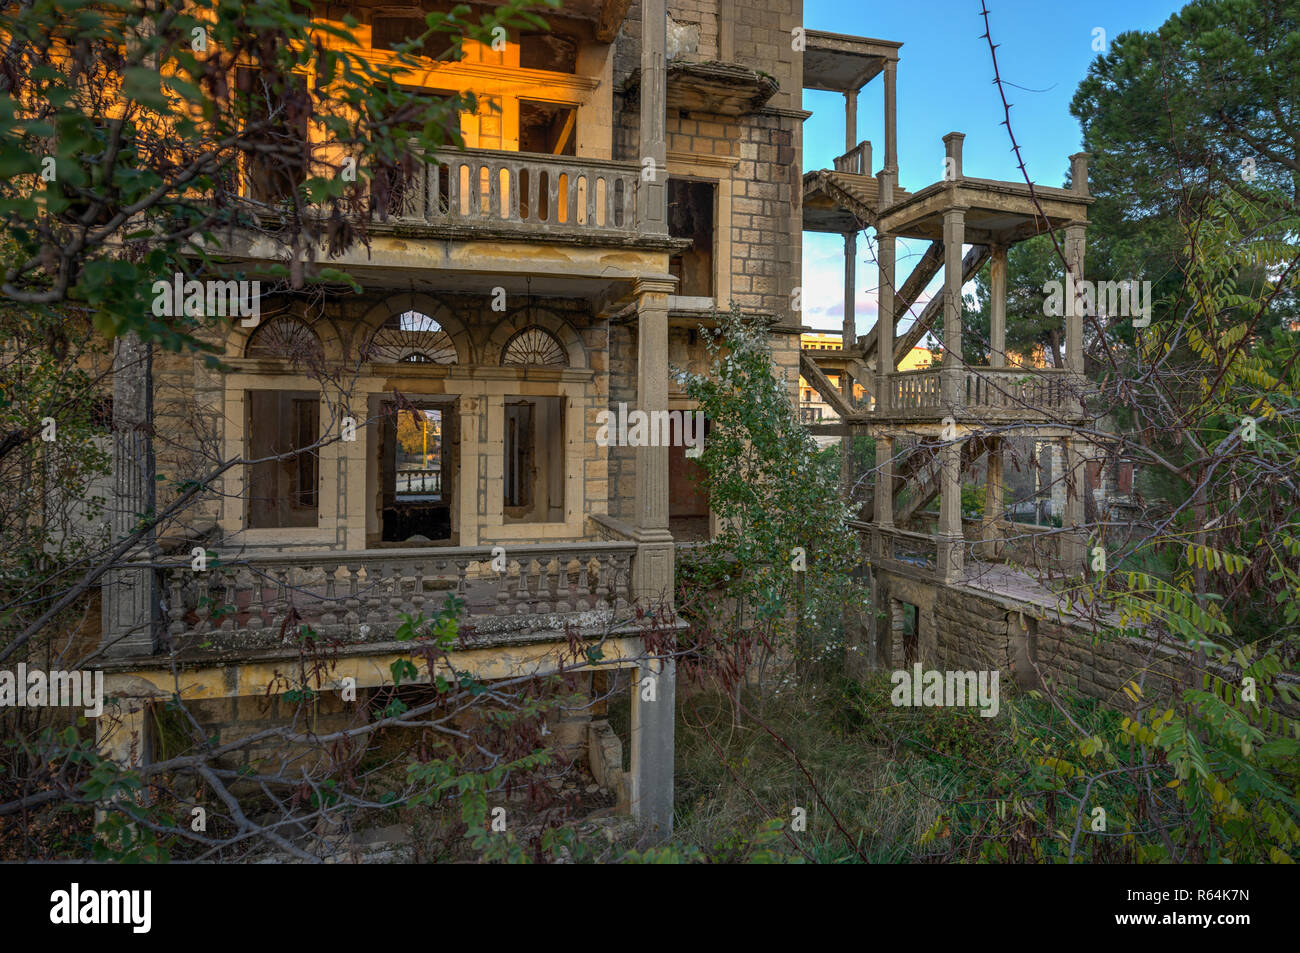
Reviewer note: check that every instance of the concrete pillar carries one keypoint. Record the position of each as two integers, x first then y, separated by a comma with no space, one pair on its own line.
998,307
952,155
1074,544
951,541
952,372
850,328
469,409
130,614
885,264
1075,241
653,717
851,121
891,119
652,209
652,574
1079,173
993,496
884,499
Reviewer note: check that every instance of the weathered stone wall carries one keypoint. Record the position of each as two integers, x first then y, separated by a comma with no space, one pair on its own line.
964,630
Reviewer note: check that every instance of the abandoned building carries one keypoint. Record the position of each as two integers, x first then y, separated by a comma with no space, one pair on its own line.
519,286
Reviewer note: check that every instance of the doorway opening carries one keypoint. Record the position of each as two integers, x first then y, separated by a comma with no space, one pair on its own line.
418,473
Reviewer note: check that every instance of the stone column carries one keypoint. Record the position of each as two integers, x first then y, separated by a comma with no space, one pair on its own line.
849,339
470,475
993,494
654,693
884,498
885,264
952,372
652,207
850,325
998,307
891,118
951,541
1073,543
130,614
1074,255
652,577
851,121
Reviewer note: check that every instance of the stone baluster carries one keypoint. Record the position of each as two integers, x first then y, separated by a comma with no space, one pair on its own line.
352,605
584,589
229,600
622,582
203,608
521,592
176,605
503,587
329,618
417,598
562,584
603,568
256,622
543,584
396,593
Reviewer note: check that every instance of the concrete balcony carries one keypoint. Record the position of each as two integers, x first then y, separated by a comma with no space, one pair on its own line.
986,394
482,192
546,592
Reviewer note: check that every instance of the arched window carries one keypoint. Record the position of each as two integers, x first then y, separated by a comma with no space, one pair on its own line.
411,337
534,345
284,338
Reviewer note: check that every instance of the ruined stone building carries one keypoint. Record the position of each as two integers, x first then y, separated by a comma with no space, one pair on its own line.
511,292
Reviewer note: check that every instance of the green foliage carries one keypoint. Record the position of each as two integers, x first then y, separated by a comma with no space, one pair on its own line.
780,563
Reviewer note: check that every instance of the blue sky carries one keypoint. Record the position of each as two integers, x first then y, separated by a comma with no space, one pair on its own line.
945,84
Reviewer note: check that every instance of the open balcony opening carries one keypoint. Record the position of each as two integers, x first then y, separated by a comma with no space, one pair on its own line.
690,215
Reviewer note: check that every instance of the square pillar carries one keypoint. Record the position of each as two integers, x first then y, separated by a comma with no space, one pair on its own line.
1074,555
131,611
993,496
652,202
851,121
470,474
850,328
953,369
1075,240
951,540
654,696
998,307
885,265
884,498
652,575
891,120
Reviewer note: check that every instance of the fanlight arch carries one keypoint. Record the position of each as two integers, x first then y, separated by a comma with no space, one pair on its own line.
285,338
534,345
411,337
